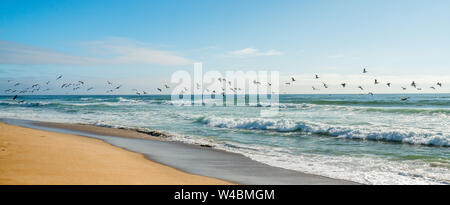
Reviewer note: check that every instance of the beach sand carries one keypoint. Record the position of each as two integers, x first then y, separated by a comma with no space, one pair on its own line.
30,156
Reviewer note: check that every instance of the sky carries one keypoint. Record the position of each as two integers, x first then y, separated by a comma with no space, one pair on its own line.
140,44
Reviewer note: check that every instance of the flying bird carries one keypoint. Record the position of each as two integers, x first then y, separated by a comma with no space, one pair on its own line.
292,79
432,87
165,85
325,85
344,84
15,97
59,77
439,84
403,88
317,76
404,99
413,84
376,82
364,70
388,84
159,89
360,87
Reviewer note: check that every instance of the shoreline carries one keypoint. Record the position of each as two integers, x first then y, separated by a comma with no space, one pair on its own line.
35,157
210,162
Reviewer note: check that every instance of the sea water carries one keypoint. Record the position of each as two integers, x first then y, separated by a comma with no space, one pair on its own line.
376,139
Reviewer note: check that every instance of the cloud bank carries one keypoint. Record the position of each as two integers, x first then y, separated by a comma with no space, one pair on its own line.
115,51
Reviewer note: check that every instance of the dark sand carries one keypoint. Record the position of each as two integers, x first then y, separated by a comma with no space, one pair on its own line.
194,159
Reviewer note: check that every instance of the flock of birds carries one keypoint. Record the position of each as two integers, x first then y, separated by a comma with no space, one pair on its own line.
376,82
111,87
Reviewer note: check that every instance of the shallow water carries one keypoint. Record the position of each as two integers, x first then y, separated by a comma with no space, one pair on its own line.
368,139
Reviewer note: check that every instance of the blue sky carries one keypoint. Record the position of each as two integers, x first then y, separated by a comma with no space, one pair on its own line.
141,43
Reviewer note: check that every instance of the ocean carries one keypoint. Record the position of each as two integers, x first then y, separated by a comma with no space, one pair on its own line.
376,139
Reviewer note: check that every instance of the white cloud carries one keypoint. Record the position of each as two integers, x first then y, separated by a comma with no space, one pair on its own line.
113,50
254,52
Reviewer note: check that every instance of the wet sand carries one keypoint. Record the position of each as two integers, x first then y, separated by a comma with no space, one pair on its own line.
30,156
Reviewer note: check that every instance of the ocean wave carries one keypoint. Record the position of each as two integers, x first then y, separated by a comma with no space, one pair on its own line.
402,136
378,103
405,110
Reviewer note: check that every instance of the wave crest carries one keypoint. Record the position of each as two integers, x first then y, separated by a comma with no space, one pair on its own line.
402,136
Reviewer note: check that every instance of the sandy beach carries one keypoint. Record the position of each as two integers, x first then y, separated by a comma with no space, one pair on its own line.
29,156
155,146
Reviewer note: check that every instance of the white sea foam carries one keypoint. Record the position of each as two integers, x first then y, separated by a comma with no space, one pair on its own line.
404,136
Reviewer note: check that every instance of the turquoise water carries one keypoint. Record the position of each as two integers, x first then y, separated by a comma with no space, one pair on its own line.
368,139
